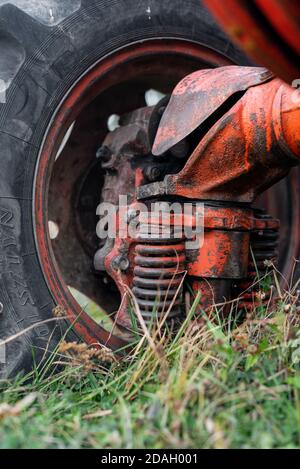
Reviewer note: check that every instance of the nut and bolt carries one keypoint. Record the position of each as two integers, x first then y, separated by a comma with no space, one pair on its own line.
120,263
104,153
152,173
131,215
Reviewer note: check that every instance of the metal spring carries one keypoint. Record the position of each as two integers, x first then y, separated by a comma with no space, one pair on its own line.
264,244
158,276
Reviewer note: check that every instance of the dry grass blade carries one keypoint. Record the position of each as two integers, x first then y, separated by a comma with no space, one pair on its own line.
97,414
30,328
7,410
141,321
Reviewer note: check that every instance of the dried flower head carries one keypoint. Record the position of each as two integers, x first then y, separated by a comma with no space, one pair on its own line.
83,355
59,312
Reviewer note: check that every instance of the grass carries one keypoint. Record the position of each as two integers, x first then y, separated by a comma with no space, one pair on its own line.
213,385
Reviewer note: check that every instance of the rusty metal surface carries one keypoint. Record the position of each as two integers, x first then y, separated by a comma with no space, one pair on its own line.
246,148
198,96
257,257
223,255
268,31
157,270
263,255
249,148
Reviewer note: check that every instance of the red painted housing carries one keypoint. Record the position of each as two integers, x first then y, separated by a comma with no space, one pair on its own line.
249,147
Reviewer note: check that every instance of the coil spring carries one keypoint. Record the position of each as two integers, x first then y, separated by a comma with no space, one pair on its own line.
264,244
158,276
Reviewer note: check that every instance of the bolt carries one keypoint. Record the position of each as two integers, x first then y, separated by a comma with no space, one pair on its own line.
1,308
131,215
120,263
152,173
104,153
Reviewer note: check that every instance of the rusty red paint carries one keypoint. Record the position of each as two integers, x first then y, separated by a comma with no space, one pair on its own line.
214,295
224,257
154,275
224,254
123,280
198,96
248,149
264,238
244,152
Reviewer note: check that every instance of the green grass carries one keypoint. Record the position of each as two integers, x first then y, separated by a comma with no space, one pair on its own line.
211,386
92,309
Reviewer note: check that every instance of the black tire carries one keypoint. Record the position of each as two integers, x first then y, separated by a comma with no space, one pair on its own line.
39,61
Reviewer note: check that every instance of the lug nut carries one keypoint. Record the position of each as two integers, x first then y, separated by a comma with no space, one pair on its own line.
120,263
152,173
104,153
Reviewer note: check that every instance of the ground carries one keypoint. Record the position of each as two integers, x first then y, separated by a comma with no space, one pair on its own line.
209,386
